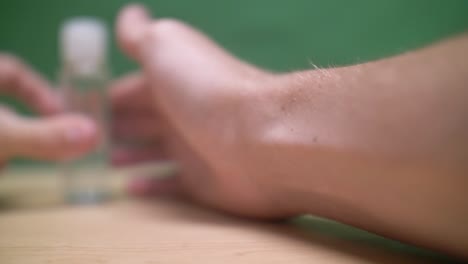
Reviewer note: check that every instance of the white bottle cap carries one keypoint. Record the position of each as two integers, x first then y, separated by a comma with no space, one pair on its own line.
84,44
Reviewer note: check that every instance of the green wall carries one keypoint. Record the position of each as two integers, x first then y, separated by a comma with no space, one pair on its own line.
278,34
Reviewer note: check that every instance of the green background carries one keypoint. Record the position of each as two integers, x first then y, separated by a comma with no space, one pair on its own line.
277,34
280,35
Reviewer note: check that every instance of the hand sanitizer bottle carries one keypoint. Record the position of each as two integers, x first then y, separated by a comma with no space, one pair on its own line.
83,79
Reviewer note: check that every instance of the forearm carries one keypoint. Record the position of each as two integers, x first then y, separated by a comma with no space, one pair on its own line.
382,145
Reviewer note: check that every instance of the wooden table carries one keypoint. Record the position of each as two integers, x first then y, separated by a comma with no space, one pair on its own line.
169,231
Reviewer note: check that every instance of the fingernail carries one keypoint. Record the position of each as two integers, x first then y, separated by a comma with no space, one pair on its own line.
80,132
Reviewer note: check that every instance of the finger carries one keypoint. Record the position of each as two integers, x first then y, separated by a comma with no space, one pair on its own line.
19,80
131,111
131,26
185,68
123,157
137,127
55,138
129,92
150,186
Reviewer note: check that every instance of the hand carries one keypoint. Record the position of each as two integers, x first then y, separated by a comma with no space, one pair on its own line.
322,142
50,138
201,106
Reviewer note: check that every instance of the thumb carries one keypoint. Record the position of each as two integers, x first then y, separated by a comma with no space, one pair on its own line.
181,61
189,75
171,47
132,24
54,138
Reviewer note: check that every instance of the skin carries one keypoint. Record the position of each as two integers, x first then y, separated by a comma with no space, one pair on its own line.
51,137
380,145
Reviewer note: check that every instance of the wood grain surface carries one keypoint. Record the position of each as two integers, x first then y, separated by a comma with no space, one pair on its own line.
163,230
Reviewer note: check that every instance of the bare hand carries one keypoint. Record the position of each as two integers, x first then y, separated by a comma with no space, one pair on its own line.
199,105
49,138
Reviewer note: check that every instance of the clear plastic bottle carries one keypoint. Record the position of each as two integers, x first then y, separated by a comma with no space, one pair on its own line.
83,79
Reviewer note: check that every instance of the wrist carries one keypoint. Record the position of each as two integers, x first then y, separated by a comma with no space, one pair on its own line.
292,152
266,156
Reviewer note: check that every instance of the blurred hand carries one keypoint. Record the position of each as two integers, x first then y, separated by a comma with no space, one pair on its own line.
195,104
316,141
49,138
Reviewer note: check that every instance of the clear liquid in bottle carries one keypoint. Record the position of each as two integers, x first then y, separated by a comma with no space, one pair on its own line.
83,80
